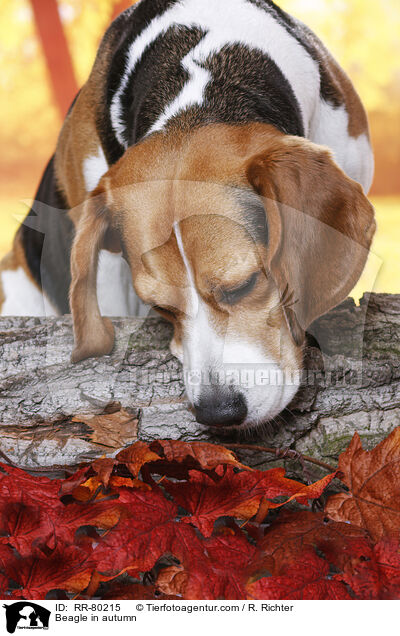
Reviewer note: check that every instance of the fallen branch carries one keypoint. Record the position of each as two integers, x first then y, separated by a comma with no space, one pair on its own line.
282,453
51,411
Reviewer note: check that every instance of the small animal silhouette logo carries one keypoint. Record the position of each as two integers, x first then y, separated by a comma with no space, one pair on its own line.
26,615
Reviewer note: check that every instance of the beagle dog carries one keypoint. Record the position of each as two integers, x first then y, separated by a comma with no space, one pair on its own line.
214,166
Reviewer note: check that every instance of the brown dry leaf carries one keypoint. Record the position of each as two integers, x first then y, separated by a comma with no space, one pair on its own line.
135,456
127,482
92,489
373,478
172,580
207,455
113,430
103,467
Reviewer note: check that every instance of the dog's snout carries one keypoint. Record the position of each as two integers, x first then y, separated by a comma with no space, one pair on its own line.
221,410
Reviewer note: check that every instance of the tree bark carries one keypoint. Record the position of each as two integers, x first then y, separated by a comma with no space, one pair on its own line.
351,383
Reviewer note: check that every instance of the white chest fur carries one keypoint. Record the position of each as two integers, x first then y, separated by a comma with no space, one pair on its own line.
115,292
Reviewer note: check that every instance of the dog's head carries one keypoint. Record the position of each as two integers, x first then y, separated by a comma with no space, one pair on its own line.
240,236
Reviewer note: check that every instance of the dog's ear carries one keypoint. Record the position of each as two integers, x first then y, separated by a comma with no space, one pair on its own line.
320,226
94,335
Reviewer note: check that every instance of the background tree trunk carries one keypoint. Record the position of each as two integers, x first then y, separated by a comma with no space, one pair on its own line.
121,6
57,54
352,384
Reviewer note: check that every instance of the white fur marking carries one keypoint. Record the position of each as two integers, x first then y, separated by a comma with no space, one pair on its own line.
93,169
115,293
225,22
205,352
244,353
194,305
354,155
266,386
22,297
191,94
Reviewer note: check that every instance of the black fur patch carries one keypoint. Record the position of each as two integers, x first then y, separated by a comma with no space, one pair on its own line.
159,77
47,247
246,86
119,37
253,214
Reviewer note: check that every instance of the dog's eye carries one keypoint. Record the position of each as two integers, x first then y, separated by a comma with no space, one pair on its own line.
232,296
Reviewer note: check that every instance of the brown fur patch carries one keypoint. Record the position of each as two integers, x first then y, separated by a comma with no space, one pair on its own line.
341,84
79,138
94,335
321,225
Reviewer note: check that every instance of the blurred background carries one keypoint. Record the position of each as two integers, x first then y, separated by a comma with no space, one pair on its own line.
47,48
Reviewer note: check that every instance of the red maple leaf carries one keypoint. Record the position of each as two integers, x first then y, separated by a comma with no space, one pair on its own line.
142,538
308,578
14,483
3,586
211,568
67,568
203,455
295,532
132,591
6,553
378,576
24,525
80,535
102,514
135,456
236,494
68,486
231,559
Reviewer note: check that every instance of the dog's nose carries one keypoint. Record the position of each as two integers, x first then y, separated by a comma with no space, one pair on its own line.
221,410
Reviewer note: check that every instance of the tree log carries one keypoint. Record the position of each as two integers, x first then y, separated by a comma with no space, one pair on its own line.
351,382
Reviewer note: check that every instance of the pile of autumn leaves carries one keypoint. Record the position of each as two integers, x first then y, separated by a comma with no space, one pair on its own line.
172,520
